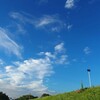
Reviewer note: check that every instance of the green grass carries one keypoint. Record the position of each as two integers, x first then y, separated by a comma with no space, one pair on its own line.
86,94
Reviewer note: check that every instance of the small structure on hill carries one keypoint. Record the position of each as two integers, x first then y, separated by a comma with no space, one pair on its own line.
89,76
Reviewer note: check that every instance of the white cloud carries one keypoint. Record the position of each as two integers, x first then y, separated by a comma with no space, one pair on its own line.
58,56
70,4
1,62
48,54
55,29
8,44
41,53
18,16
87,50
50,23
28,76
47,22
63,59
59,47
21,19
69,26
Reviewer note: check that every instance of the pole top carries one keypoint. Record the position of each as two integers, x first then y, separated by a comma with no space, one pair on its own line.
88,70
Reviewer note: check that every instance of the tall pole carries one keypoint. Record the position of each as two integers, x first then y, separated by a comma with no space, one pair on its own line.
89,76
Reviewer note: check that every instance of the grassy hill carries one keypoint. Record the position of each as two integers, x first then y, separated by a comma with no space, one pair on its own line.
83,94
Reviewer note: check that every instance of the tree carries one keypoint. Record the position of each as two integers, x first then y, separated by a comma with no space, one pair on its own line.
26,97
3,96
45,94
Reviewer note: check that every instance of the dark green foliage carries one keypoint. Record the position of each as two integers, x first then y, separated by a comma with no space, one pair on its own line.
45,94
26,97
3,96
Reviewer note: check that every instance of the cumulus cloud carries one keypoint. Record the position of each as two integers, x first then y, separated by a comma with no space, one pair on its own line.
8,44
59,55
87,50
63,60
28,76
48,54
70,4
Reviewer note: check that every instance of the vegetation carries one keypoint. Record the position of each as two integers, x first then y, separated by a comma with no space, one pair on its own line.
45,95
3,96
82,94
26,97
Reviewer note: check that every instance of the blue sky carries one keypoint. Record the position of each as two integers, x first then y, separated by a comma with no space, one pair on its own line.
47,45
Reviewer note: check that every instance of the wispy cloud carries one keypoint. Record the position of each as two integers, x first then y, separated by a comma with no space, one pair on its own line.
22,17
47,22
20,28
69,26
87,50
74,60
8,44
92,1
1,62
42,2
50,23
18,16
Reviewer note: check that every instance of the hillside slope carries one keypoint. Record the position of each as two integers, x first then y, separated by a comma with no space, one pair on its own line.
86,94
